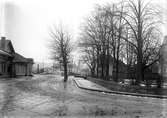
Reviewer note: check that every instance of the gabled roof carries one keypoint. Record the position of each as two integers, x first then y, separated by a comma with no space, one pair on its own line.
19,58
30,60
6,48
5,53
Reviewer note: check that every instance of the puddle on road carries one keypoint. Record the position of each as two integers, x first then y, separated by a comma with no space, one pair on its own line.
31,101
8,94
52,109
61,101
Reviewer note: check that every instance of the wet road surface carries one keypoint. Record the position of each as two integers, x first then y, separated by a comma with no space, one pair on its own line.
47,96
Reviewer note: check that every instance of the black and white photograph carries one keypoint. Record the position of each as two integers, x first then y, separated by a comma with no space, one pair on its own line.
83,58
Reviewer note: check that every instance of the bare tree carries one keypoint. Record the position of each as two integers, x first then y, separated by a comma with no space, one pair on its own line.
131,27
94,38
115,26
89,49
143,22
99,29
61,47
89,59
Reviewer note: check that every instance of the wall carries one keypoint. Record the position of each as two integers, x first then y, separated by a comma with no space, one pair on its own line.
20,69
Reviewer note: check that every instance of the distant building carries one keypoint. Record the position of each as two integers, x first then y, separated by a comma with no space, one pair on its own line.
11,63
163,59
160,67
121,65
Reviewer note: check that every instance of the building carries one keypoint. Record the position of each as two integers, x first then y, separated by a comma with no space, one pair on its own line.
13,64
5,63
163,58
112,72
159,68
22,65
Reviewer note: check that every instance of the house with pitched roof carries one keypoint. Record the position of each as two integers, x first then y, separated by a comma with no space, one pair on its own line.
22,65
13,64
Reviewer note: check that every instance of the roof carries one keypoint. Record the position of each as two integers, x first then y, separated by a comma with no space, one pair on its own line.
20,59
30,60
6,48
6,45
5,53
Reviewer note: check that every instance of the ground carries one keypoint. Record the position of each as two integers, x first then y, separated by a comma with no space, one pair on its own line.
47,96
134,89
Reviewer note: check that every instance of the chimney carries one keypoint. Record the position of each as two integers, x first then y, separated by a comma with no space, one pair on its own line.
3,40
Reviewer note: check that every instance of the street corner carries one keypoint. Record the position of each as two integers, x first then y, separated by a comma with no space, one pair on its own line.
86,84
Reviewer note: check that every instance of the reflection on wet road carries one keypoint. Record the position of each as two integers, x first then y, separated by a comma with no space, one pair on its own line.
47,96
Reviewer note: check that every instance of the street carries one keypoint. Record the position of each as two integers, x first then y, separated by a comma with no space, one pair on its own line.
47,96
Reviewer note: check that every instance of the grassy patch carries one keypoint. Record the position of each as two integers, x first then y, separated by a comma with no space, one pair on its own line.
129,88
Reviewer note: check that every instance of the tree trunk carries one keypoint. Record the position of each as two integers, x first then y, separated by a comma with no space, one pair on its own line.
103,59
159,82
117,58
102,68
65,68
117,70
114,65
92,72
97,67
139,69
65,72
107,67
107,61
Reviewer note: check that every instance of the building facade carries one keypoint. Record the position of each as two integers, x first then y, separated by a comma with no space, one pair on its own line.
112,71
22,65
13,64
163,59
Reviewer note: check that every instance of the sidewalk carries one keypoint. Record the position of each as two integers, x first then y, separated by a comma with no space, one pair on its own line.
88,85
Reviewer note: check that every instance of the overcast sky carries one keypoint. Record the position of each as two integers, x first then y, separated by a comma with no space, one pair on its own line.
27,22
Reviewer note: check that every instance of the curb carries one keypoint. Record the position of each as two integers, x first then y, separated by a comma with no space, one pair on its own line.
122,93
89,88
